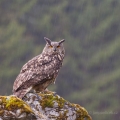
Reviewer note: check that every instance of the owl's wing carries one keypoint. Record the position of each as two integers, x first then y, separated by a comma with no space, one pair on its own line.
30,70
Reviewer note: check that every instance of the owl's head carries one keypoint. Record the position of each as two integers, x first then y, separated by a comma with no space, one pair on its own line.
54,47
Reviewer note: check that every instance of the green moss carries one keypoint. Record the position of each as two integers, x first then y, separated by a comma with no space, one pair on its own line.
13,103
48,100
60,101
81,112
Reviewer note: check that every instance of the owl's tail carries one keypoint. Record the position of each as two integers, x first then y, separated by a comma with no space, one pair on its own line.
21,93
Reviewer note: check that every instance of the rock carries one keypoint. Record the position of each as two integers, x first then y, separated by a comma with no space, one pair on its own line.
13,108
55,107
42,106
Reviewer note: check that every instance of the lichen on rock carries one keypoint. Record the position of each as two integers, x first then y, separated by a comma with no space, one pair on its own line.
12,107
55,107
41,106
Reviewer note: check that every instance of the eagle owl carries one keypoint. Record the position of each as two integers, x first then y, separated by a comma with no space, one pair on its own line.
41,70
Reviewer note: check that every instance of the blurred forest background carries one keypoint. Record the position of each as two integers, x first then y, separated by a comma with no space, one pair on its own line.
90,75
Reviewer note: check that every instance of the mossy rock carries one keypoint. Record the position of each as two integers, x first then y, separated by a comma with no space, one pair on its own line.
13,108
55,107
41,106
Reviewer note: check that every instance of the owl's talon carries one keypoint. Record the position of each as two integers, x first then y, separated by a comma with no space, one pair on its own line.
46,91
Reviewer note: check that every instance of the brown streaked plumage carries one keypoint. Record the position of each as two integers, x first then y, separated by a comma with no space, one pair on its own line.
40,71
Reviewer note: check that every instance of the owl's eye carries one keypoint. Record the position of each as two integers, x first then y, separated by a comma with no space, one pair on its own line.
58,46
50,46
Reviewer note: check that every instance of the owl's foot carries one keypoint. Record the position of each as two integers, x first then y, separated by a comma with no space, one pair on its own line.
33,93
46,91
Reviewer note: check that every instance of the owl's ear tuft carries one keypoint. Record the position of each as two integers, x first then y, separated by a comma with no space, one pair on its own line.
61,41
47,40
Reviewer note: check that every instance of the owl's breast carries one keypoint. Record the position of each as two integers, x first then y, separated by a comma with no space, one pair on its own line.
53,66
51,69
46,68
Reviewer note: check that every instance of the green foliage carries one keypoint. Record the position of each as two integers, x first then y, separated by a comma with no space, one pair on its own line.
91,69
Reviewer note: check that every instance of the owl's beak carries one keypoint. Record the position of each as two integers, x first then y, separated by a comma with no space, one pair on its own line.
54,49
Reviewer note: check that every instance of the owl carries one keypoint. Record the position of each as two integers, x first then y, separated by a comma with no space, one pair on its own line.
39,72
